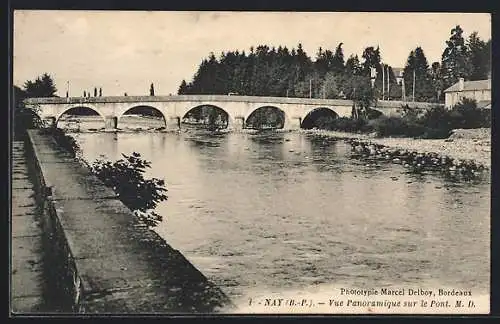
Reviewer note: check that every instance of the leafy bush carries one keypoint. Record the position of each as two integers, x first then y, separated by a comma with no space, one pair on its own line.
24,119
385,126
438,118
126,177
465,114
436,122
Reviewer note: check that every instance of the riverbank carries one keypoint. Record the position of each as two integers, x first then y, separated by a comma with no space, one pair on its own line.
463,144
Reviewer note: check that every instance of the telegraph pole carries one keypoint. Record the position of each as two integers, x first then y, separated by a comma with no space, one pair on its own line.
413,85
383,81
403,94
388,84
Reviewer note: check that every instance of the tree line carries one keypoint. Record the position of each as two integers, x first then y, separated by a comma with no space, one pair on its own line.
280,72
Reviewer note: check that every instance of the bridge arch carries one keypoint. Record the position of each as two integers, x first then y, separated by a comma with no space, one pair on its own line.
78,107
372,113
318,117
264,114
143,109
209,113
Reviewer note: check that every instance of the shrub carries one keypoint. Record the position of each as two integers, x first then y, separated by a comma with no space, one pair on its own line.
465,114
438,122
386,126
126,177
25,118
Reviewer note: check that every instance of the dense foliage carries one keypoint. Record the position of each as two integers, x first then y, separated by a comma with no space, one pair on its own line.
283,72
126,177
25,118
437,122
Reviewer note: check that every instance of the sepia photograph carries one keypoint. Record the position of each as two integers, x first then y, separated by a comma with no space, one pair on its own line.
250,162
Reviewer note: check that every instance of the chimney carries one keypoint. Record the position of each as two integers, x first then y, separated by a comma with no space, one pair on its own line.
461,84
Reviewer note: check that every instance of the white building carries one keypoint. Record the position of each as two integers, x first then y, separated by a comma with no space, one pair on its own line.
398,73
478,90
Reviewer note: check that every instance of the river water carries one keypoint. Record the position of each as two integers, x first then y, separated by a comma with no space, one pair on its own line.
290,214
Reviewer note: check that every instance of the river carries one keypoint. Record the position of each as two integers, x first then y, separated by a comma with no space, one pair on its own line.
289,214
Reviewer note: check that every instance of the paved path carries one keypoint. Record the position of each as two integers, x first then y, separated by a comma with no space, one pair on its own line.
124,266
27,285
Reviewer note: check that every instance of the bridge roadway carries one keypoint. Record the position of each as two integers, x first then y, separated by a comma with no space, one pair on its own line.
175,108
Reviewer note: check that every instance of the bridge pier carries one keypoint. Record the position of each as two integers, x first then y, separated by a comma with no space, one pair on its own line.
173,123
239,123
111,122
294,123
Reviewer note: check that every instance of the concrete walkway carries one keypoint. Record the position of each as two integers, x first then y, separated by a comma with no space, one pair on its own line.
123,266
27,276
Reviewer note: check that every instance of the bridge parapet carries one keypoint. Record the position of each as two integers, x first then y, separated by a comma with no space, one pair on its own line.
189,98
174,108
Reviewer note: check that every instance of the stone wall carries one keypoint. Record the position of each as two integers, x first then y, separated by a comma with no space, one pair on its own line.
104,259
67,286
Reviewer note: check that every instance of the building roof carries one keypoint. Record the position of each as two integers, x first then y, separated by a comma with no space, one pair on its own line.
471,86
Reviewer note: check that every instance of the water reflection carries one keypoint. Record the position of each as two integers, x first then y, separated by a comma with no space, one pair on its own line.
275,211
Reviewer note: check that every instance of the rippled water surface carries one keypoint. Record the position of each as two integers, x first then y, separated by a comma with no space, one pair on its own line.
279,212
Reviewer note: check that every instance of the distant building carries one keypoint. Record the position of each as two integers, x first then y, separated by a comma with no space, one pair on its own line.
398,73
478,90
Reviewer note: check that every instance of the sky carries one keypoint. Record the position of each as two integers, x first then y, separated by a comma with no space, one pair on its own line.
126,51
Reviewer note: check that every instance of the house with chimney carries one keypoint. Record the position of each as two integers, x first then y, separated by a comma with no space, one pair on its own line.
479,90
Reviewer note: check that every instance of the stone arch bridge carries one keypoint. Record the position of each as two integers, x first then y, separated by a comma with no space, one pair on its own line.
175,108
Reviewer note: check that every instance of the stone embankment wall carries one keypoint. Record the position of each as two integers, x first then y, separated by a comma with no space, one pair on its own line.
105,260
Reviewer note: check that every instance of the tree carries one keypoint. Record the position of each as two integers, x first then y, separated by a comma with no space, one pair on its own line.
152,90
479,56
43,86
19,95
338,60
437,80
330,87
371,57
358,88
395,89
417,69
183,88
100,92
24,118
84,93
95,92
352,65
454,60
